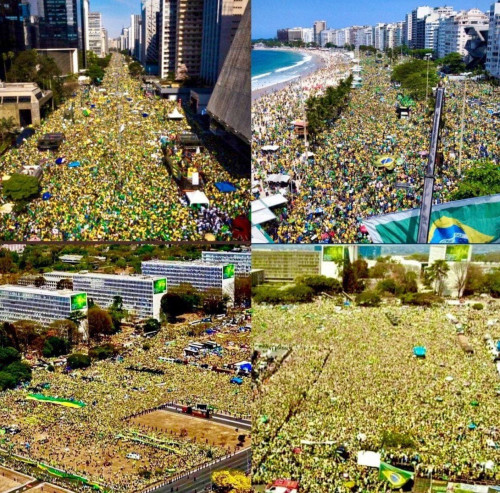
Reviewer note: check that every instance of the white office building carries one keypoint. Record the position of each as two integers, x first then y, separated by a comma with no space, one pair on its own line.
39,305
328,36
380,36
308,34
493,50
141,295
242,260
432,24
200,275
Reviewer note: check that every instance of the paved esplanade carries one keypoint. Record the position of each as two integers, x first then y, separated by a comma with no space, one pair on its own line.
117,187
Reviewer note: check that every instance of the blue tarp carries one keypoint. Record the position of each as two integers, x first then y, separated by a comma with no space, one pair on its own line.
419,351
225,186
74,164
46,196
246,367
237,380
145,115
210,331
60,160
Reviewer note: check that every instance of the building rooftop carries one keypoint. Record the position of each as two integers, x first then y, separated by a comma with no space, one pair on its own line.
198,263
34,290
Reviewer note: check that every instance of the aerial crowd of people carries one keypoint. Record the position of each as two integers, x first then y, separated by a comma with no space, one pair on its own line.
111,182
357,386
341,183
94,441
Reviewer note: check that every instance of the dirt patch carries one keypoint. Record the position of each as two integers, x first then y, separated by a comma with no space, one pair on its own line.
203,430
10,479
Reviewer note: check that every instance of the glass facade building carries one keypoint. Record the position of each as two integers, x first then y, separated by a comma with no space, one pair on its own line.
40,305
140,294
242,260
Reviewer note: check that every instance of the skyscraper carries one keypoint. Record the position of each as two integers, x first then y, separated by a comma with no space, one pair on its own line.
167,37
134,35
221,19
189,37
59,27
84,16
493,50
95,33
418,26
149,42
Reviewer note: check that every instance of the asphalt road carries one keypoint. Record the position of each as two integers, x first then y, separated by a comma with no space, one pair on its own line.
241,460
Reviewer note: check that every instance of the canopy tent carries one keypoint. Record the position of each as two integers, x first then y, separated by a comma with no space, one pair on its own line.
270,148
225,186
74,164
278,178
274,200
263,216
260,236
197,197
236,380
176,115
244,365
60,160
257,205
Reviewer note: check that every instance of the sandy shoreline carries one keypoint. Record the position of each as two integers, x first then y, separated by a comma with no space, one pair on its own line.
317,62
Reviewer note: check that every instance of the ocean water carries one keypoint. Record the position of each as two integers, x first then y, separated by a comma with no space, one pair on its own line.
271,67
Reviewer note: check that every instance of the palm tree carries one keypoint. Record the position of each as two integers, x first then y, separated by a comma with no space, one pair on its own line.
437,273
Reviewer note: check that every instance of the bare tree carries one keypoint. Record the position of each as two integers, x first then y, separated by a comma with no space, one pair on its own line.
461,271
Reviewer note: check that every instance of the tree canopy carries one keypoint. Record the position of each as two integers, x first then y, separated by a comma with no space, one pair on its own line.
412,76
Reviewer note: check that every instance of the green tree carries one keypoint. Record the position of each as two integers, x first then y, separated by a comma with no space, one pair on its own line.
436,274
21,187
483,178
412,76
55,346
78,360
100,323
453,63
151,325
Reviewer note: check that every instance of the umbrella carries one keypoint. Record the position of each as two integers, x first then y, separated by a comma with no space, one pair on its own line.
145,115
46,196
60,160
74,164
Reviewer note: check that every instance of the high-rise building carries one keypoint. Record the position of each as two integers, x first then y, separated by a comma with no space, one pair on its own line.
408,31
369,37
150,11
454,31
84,19
134,36
189,38
104,42
318,26
221,19
140,294
59,27
418,26
167,38
95,33
39,305
12,28
328,36
493,49
380,36
308,34
432,23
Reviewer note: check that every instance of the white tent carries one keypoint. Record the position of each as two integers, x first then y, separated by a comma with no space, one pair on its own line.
368,458
278,178
258,236
274,200
176,115
262,216
257,205
270,148
197,197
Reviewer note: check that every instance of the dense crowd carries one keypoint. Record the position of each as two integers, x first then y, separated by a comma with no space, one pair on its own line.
357,385
85,441
121,189
332,191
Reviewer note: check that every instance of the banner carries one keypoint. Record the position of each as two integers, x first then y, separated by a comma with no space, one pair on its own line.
78,301
475,220
394,476
55,400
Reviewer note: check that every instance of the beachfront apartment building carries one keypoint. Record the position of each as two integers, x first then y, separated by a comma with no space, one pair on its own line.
95,33
141,295
202,276
242,260
39,304
318,26
493,49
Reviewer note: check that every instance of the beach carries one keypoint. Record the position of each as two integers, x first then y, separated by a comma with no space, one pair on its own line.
317,62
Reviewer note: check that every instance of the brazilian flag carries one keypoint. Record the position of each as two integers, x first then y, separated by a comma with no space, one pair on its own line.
394,476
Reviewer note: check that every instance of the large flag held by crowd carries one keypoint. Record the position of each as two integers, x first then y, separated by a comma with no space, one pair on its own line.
393,475
475,220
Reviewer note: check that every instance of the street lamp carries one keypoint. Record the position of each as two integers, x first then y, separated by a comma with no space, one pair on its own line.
428,56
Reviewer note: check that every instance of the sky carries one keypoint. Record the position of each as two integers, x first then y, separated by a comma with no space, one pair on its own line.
115,13
270,15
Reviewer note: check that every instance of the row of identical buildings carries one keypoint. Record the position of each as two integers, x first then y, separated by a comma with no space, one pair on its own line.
192,36
58,295
472,33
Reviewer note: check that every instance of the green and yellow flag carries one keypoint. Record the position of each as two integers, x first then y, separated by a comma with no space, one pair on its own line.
394,476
